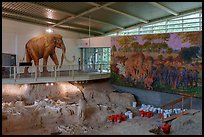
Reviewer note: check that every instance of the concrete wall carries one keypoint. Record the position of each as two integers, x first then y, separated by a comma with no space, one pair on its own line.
158,99
104,41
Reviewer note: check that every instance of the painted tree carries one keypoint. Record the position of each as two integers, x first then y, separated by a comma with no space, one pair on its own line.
125,40
114,49
126,48
169,50
140,48
151,37
155,47
170,58
194,38
160,57
163,45
147,45
135,46
188,53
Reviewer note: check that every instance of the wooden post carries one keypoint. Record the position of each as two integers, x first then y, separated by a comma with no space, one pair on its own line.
172,107
162,114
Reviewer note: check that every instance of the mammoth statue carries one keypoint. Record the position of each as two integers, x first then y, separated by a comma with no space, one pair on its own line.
42,47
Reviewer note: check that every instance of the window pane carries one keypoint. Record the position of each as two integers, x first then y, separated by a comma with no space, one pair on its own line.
114,34
134,33
191,20
159,31
133,30
146,32
174,22
146,28
120,34
174,30
177,18
175,26
148,25
160,23
191,29
159,27
190,24
191,16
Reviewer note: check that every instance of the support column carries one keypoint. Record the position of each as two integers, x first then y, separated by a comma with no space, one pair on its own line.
36,72
15,73
55,71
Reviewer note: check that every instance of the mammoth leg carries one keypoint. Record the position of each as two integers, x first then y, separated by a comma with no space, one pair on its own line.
45,64
34,56
54,58
36,62
28,59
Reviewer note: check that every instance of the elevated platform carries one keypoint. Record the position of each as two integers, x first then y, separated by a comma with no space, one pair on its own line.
53,76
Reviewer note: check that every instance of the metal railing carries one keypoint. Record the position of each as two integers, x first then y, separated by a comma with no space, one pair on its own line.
35,72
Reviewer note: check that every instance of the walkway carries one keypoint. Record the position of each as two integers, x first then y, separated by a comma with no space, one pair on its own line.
12,77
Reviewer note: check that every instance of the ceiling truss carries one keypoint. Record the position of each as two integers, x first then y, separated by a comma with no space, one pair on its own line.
100,23
120,12
71,14
83,13
156,4
49,22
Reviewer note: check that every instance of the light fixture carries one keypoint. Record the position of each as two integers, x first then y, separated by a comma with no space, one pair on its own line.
51,84
49,30
47,84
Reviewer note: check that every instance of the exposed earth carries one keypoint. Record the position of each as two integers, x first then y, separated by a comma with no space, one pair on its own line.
80,108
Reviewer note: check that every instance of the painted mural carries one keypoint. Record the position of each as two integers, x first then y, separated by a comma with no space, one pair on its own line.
168,62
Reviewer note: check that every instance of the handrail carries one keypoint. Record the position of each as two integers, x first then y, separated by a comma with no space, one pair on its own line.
184,96
174,102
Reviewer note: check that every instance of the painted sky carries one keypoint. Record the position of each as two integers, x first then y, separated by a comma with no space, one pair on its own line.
174,41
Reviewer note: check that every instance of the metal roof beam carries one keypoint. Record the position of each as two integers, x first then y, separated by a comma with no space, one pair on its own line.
83,13
50,22
120,12
98,21
164,8
70,14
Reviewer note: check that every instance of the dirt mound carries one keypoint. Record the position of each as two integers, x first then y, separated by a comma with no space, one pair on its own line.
187,125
